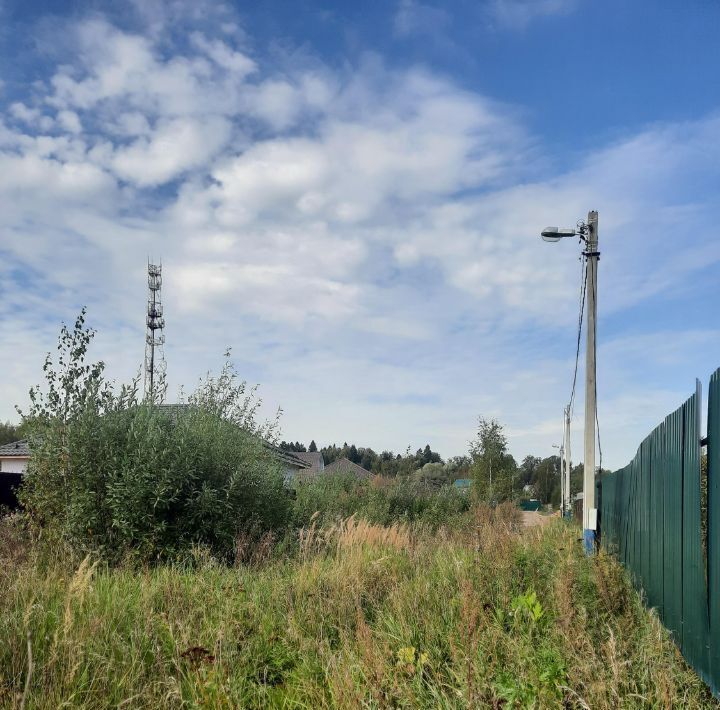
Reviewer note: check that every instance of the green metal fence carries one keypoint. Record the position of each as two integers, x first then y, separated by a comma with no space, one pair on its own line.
652,516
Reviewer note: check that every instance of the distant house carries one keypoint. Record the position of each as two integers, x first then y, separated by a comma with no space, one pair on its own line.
296,463
345,465
14,457
463,484
313,459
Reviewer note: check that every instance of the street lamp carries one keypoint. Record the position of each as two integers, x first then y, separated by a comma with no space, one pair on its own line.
588,233
555,234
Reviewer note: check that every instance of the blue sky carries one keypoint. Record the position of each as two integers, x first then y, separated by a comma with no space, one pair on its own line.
349,195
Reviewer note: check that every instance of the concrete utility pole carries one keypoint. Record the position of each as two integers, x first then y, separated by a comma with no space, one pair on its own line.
589,510
562,475
588,232
566,472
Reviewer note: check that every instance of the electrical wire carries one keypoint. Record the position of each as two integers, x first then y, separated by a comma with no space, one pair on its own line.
583,288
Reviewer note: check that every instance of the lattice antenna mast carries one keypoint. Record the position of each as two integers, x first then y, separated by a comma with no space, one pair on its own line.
155,337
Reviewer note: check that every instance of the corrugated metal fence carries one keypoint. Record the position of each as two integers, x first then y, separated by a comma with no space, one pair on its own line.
653,516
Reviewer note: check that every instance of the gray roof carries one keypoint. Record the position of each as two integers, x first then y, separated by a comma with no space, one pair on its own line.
293,458
345,465
313,459
15,448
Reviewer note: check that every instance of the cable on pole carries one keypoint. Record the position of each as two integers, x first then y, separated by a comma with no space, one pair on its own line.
583,288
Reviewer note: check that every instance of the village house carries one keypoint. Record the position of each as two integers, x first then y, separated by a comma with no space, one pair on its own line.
14,458
345,465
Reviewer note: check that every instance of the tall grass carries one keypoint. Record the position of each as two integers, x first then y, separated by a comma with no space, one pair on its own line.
363,615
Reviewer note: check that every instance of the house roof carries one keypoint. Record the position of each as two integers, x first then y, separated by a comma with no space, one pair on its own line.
313,459
15,448
291,457
345,465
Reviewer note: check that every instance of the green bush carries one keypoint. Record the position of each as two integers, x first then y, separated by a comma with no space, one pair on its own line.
119,476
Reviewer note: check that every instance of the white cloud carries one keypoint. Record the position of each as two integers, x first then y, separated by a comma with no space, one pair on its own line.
26,176
23,113
224,56
69,121
414,17
174,147
517,14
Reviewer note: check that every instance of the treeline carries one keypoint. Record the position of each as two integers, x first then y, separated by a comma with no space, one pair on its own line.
10,432
386,463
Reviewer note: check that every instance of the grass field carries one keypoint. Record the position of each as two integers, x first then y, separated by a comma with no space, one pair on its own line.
480,615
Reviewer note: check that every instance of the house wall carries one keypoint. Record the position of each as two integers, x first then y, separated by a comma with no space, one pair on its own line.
290,473
13,464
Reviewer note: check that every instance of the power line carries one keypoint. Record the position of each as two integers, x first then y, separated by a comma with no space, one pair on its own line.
583,288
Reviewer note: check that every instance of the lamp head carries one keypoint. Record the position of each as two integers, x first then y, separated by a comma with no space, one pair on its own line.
555,234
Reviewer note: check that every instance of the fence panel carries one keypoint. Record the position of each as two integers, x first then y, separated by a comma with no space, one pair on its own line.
652,518
694,589
713,529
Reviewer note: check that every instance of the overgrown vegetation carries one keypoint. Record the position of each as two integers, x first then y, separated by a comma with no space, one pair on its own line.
115,475
383,501
119,476
360,615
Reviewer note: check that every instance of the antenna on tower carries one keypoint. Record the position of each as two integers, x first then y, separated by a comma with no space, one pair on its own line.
155,337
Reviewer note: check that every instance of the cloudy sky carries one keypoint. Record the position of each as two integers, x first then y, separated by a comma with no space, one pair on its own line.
350,196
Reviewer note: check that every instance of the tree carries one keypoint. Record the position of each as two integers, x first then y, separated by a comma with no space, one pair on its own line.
353,454
9,432
547,480
313,446
577,473
492,468
367,460
432,476
458,467
526,472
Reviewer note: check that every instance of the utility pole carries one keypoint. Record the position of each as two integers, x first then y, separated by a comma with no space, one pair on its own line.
592,256
566,472
588,232
563,445
561,471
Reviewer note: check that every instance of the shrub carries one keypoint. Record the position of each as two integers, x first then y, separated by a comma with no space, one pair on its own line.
115,475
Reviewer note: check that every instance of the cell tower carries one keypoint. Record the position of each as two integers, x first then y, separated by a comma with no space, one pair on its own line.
155,338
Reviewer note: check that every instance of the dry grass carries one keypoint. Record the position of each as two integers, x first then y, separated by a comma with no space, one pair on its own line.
353,532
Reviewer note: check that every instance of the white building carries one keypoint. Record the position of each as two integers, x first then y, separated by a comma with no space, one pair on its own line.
14,457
